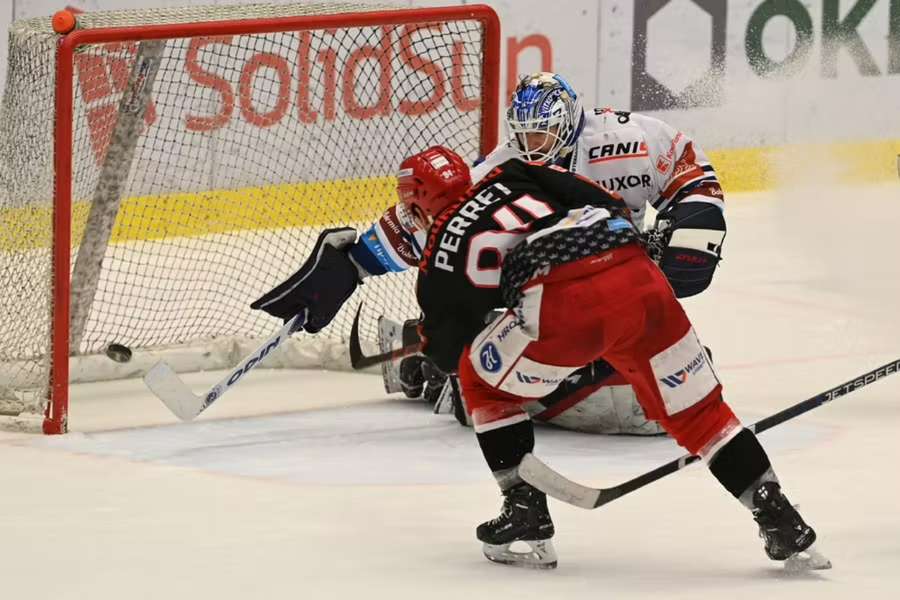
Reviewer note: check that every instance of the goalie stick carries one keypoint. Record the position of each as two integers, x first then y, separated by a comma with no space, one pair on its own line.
168,386
359,361
549,481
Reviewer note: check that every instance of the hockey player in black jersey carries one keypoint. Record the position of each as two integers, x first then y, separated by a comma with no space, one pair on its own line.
561,254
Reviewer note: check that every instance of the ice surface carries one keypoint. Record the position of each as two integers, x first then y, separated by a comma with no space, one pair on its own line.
310,484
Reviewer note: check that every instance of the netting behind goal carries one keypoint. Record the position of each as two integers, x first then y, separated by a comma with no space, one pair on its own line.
194,155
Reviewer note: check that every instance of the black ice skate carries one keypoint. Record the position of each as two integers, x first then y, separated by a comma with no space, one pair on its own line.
787,537
524,519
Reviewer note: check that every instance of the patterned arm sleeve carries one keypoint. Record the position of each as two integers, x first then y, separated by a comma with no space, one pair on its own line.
391,244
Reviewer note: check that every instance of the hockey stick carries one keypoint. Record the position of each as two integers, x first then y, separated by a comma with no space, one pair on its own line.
360,361
168,386
546,479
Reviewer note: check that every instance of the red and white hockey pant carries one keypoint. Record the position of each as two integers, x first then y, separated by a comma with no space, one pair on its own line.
617,306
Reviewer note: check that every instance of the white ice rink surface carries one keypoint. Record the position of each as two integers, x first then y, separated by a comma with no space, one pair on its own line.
308,485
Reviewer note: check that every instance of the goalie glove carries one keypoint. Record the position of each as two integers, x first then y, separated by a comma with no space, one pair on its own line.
322,285
687,245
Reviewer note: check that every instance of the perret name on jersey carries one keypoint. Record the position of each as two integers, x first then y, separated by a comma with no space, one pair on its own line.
467,214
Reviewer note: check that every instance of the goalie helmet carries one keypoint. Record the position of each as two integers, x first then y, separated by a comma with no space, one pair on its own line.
431,181
544,103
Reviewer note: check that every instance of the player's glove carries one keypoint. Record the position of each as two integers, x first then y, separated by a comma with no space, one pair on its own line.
412,379
687,245
321,285
420,378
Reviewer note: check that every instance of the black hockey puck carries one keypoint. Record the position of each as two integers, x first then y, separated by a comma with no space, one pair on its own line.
118,352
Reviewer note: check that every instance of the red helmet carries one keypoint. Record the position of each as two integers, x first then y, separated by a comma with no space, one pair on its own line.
432,180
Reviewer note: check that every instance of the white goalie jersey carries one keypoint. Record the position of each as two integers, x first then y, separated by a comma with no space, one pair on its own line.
642,159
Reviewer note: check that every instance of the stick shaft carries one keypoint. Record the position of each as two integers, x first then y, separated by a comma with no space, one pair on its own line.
762,425
548,480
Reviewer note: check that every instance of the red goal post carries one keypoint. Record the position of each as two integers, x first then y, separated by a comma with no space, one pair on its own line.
196,155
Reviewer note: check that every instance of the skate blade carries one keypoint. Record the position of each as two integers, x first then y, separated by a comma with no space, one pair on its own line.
542,554
807,560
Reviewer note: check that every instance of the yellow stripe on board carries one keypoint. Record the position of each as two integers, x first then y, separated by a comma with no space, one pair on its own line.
217,211
25,228
268,207
755,169
360,200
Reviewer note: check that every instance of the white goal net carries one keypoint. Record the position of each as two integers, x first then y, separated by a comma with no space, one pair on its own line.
209,147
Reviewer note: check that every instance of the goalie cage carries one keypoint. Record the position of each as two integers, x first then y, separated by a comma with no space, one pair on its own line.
161,168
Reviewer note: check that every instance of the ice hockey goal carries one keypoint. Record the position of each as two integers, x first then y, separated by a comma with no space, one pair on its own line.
159,169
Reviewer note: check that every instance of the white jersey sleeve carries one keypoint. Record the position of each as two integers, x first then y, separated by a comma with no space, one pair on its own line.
645,161
497,157
681,169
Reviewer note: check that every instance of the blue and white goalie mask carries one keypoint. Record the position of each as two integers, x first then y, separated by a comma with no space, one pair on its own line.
544,118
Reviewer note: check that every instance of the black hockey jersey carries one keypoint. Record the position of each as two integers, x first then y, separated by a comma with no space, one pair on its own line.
460,272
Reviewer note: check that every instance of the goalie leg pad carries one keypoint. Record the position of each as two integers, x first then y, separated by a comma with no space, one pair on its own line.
602,409
407,374
595,399
389,332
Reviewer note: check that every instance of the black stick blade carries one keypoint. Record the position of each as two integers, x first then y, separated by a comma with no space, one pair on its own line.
359,361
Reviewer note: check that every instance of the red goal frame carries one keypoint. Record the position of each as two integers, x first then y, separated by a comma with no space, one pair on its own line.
56,413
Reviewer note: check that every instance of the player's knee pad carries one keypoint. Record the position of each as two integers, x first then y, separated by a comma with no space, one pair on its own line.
700,428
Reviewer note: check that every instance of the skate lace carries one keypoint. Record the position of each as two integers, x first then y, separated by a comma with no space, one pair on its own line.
778,528
770,506
505,512
765,519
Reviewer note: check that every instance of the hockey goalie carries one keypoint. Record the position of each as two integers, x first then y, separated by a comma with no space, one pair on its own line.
616,149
